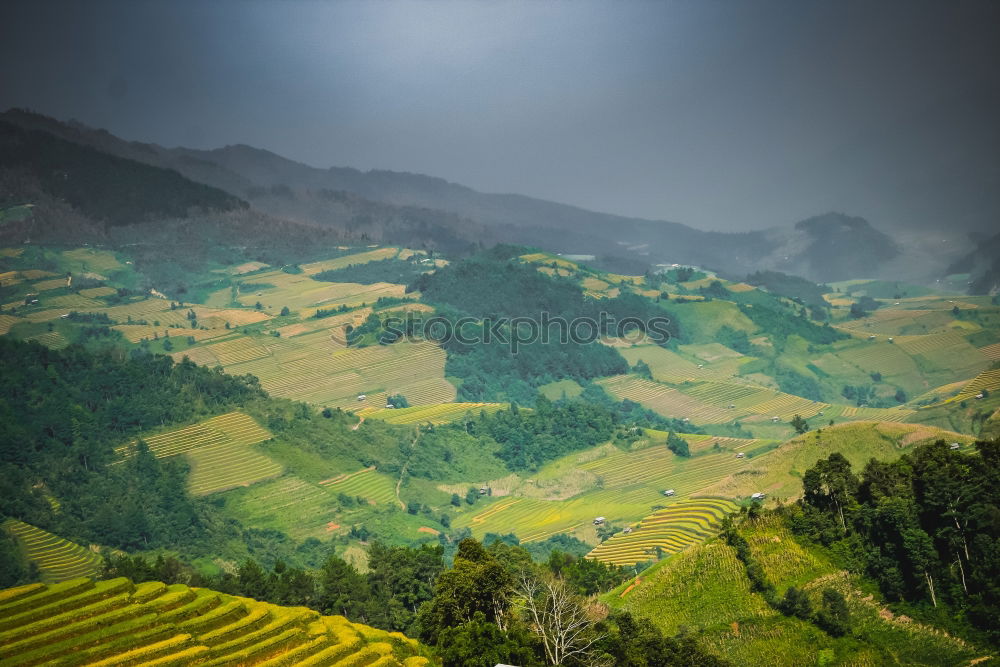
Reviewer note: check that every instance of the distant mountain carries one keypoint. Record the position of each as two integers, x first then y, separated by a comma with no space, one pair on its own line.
422,210
982,265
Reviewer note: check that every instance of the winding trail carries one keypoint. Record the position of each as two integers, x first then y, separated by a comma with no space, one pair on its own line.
402,471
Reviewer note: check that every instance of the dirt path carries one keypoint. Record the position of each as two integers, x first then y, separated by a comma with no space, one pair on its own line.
361,420
402,472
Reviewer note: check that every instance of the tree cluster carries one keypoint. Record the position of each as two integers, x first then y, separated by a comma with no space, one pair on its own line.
925,527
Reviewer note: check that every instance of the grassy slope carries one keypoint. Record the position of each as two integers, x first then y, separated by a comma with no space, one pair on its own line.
779,472
705,590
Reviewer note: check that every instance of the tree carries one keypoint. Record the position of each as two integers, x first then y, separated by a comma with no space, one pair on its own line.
799,424
456,500
678,445
398,401
796,603
342,589
284,311
477,584
834,615
557,617
252,580
479,643
830,484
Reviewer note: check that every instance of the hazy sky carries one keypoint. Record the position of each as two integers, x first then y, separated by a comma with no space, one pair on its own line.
723,115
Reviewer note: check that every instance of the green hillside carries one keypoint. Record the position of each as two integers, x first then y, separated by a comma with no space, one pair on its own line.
704,591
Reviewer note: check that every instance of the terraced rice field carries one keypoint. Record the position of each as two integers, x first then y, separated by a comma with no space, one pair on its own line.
220,467
219,450
57,559
314,368
708,402
987,380
230,428
668,366
6,322
930,344
629,486
991,352
435,414
366,483
136,332
97,292
879,355
116,622
288,503
50,284
52,339
347,260
665,532
659,467
93,261
665,400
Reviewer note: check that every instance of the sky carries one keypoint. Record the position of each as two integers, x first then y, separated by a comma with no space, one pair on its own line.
721,115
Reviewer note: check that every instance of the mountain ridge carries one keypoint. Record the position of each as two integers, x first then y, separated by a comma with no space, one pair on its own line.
406,207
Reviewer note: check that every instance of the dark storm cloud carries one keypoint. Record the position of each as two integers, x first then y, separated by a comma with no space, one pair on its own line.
722,115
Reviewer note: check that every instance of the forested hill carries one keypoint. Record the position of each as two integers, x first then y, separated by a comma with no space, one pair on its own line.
110,190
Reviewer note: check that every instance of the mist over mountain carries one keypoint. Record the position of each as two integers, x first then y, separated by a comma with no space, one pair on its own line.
417,209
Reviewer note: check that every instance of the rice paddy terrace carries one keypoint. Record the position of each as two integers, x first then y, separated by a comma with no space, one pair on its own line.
57,559
621,485
114,622
665,532
431,414
220,451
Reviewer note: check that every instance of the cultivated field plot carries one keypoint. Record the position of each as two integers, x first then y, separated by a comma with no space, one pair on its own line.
52,339
116,622
220,452
949,354
366,483
665,532
230,428
875,414
667,365
665,400
886,358
888,322
88,260
778,472
985,381
49,284
225,466
435,414
991,352
57,559
6,322
136,332
97,292
348,260
624,486
289,504
314,368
